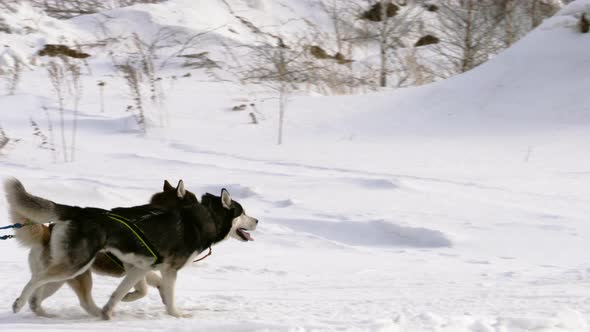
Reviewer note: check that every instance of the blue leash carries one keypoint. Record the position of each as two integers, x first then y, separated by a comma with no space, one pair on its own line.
16,226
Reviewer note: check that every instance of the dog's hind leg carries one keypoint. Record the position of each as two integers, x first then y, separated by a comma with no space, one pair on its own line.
134,275
37,280
141,289
82,286
53,273
41,294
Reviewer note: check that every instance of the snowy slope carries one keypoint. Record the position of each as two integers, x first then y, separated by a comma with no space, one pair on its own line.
457,206
539,83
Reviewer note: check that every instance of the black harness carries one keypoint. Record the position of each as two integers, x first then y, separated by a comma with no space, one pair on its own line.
139,235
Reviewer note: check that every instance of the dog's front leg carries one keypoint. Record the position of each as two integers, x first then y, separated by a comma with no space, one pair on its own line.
140,291
134,275
167,291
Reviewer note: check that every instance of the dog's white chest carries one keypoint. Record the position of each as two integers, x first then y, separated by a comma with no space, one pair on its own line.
137,260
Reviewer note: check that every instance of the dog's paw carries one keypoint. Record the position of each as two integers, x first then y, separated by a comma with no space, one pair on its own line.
94,311
39,311
162,297
43,313
179,314
17,305
106,314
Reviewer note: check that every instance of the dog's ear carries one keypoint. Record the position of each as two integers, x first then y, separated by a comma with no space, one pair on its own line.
167,186
225,199
180,191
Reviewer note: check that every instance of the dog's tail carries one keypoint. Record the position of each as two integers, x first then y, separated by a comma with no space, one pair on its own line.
26,208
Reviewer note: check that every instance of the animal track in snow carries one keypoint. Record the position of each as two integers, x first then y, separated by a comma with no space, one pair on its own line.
376,233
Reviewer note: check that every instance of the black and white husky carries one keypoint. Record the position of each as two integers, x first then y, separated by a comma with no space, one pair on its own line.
37,236
163,235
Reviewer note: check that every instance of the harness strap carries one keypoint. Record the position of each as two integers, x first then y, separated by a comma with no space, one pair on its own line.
115,260
200,259
136,230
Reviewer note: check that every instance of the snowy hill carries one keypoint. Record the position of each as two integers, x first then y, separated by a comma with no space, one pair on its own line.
538,84
347,46
456,206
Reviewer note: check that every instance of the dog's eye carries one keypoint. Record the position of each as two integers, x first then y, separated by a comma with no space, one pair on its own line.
238,211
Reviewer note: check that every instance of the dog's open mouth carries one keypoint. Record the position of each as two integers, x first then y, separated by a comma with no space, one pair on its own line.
244,235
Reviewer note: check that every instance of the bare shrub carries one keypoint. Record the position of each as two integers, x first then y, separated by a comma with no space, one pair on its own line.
584,24
132,76
3,139
471,31
57,78
145,55
73,70
416,73
199,61
389,32
253,118
64,74
11,71
65,9
101,85
51,135
275,65
44,142
14,77
3,26
143,59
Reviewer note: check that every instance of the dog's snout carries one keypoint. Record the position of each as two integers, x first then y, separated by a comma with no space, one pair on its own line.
256,221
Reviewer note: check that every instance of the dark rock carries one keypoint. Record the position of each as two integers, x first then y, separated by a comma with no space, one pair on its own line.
427,40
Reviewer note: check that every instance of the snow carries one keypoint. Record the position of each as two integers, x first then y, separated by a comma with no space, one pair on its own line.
456,206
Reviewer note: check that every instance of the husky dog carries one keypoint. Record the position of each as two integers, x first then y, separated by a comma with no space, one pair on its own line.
37,238
143,238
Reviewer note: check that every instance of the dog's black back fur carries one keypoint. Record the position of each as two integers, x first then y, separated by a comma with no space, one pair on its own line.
176,232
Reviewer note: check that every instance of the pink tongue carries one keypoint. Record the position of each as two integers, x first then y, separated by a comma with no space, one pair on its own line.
246,235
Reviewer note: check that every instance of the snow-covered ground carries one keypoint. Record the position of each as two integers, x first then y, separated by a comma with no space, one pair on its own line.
457,206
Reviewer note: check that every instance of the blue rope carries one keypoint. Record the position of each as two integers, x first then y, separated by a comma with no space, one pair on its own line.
16,226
